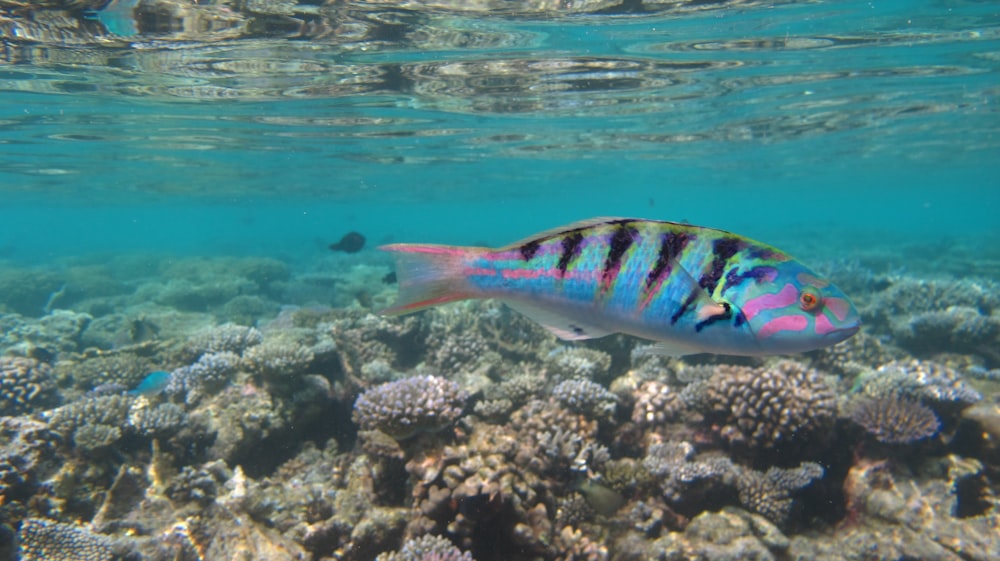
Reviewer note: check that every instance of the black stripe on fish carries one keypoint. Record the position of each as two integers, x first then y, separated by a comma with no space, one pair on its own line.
740,319
529,249
723,249
570,249
757,274
726,314
671,246
684,308
620,241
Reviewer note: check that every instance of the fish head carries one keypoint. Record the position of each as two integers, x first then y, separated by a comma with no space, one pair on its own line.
790,309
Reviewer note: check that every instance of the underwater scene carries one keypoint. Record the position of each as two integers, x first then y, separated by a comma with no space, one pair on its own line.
499,280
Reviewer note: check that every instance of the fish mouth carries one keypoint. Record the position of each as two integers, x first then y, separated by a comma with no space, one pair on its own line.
846,331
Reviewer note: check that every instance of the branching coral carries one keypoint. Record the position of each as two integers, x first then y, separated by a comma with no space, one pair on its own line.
409,406
427,548
760,408
655,404
584,396
895,420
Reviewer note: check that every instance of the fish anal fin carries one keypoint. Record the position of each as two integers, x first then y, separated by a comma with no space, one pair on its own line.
671,349
567,329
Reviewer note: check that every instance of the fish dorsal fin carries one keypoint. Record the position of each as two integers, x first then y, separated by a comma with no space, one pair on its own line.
578,225
565,328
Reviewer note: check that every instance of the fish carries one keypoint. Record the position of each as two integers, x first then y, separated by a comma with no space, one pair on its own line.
352,242
688,289
154,383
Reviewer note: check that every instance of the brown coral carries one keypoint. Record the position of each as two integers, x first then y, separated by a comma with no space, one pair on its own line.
762,408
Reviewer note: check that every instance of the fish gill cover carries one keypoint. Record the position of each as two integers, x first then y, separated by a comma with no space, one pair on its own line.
173,174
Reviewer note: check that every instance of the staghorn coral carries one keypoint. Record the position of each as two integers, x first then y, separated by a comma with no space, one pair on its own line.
406,407
25,385
47,540
771,493
427,548
762,408
895,420
554,440
584,396
655,404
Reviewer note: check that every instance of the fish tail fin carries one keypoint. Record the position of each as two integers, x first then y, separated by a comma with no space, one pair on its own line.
429,275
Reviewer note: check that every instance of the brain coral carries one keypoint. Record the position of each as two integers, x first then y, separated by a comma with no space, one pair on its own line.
406,407
25,385
764,407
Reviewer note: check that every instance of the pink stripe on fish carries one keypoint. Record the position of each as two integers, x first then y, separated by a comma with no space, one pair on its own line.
527,273
783,323
786,297
839,306
823,325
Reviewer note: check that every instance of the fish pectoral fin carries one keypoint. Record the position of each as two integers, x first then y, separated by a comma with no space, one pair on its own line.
565,328
671,349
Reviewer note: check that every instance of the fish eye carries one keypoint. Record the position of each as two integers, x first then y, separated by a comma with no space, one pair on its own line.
810,299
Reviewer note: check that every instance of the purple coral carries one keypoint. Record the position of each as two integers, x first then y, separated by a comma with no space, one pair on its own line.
895,421
409,406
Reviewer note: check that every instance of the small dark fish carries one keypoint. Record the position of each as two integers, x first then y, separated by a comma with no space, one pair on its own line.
352,242
389,278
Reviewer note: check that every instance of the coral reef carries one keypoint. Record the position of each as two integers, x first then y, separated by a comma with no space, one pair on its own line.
656,403
942,388
770,493
895,420
26,385
406,407
785,406
591,451
584,396
427,548
46,540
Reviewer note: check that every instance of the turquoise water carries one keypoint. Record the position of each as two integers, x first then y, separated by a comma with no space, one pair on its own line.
836,118
188,372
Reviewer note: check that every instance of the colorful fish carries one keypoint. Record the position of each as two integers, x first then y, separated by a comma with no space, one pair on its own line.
689,288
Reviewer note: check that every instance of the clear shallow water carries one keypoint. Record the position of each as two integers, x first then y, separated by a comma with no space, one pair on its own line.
461,125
